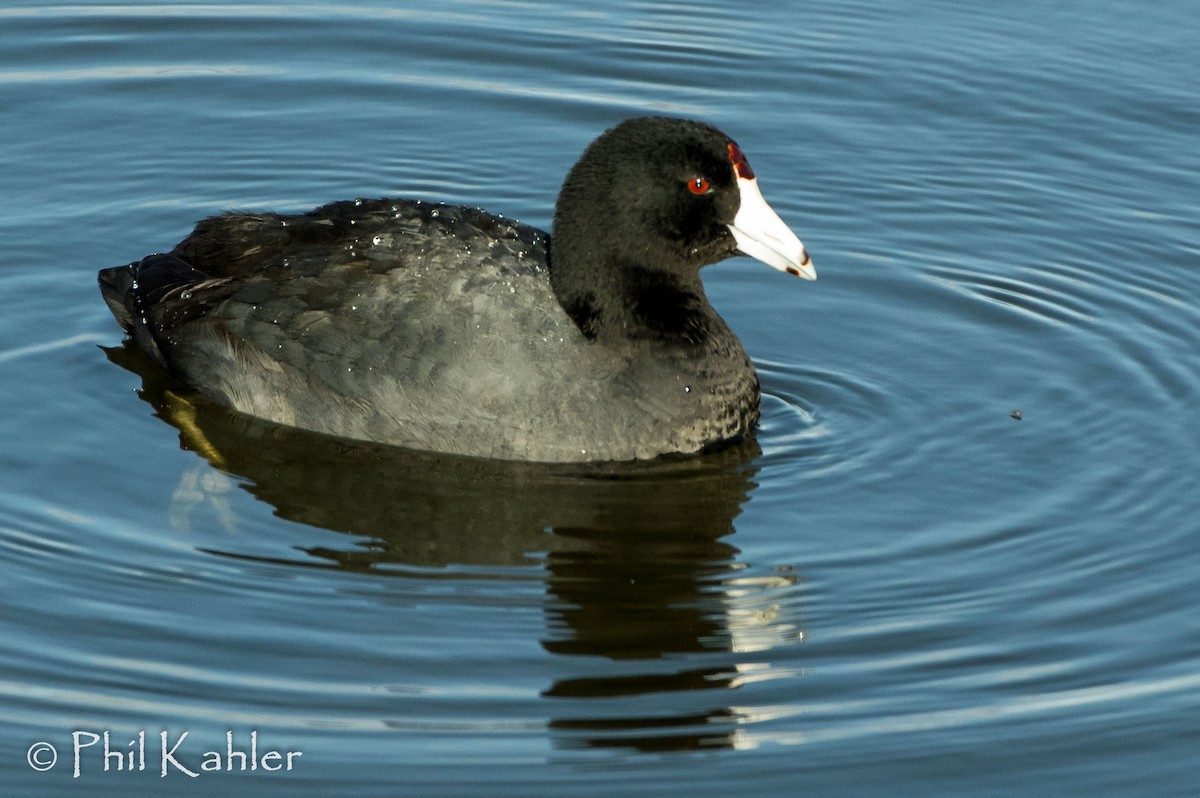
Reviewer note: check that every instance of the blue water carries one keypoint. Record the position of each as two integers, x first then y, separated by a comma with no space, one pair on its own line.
899,588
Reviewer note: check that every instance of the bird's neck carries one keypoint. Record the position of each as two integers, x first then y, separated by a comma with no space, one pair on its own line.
623,300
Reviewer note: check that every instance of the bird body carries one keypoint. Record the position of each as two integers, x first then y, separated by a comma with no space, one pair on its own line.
451,329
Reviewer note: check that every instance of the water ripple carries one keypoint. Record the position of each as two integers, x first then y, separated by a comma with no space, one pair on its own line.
149,71
1039,301
823,422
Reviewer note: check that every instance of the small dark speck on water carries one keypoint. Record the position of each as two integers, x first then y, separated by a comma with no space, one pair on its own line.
1016,414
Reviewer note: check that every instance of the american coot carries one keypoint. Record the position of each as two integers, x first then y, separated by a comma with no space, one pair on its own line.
450,329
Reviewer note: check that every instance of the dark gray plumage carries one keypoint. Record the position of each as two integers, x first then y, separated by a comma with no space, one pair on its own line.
453,330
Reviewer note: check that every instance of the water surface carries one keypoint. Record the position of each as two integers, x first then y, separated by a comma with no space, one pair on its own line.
899,588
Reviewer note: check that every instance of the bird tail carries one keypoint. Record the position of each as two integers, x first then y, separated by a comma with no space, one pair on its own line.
116,286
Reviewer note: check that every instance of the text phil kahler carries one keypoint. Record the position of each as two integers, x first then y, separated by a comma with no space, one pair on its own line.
173,756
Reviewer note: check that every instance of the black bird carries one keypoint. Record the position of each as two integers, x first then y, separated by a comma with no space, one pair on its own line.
453,330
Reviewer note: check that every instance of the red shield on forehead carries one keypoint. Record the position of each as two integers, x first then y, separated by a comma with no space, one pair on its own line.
740,164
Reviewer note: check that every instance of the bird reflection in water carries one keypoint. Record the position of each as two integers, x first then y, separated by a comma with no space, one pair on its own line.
649,612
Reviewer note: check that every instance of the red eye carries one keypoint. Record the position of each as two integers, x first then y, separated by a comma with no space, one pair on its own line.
698,185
